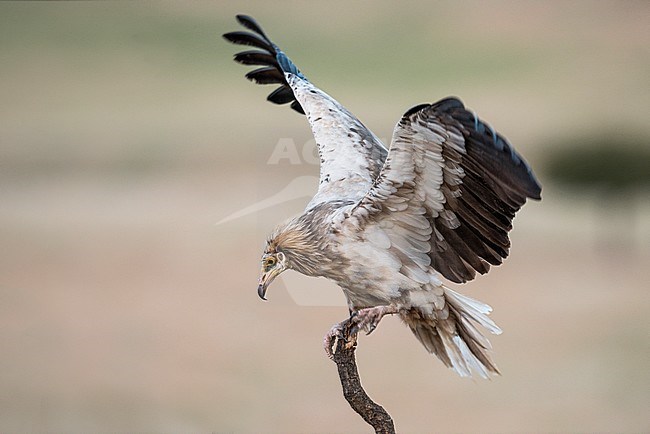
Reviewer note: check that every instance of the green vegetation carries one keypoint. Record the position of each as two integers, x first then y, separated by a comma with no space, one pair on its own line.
617,163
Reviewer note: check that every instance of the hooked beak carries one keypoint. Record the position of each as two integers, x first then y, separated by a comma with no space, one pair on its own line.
266,280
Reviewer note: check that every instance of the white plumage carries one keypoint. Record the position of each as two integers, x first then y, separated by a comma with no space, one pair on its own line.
388,225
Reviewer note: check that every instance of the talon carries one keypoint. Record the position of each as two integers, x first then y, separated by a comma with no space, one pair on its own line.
330,339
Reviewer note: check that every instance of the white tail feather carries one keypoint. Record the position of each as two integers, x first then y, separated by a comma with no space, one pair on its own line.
475,310
451,335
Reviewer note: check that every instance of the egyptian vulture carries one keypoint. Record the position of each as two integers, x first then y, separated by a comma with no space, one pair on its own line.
388,224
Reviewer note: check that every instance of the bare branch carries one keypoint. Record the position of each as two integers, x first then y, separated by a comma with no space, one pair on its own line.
373,413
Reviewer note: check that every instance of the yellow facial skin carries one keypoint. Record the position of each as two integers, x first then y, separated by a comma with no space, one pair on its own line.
272,266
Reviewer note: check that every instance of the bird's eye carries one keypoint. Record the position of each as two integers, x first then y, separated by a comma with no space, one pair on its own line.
269,263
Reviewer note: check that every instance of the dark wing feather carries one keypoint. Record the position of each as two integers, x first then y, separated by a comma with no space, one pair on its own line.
496,184
274,61
266,75
251,24
461,177
297,107
281,95
245,38
255,57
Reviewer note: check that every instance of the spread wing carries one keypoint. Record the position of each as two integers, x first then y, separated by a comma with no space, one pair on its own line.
351,156
447,194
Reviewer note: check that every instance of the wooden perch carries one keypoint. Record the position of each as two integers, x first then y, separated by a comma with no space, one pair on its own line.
373,413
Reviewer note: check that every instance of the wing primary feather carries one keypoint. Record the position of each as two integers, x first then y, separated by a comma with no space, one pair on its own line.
491,250
297,107
255,57
251,24
490,148
281,95
489,231
481,193
276,63
267,75
494,218
245,38
464,251
491,145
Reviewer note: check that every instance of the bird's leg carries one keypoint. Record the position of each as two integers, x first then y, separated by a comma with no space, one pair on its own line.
364,319
368,319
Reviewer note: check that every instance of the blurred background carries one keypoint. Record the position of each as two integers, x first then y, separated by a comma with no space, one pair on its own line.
127,133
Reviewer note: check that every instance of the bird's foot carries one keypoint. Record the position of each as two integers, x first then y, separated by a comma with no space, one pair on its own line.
368,319
336,333
364,319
